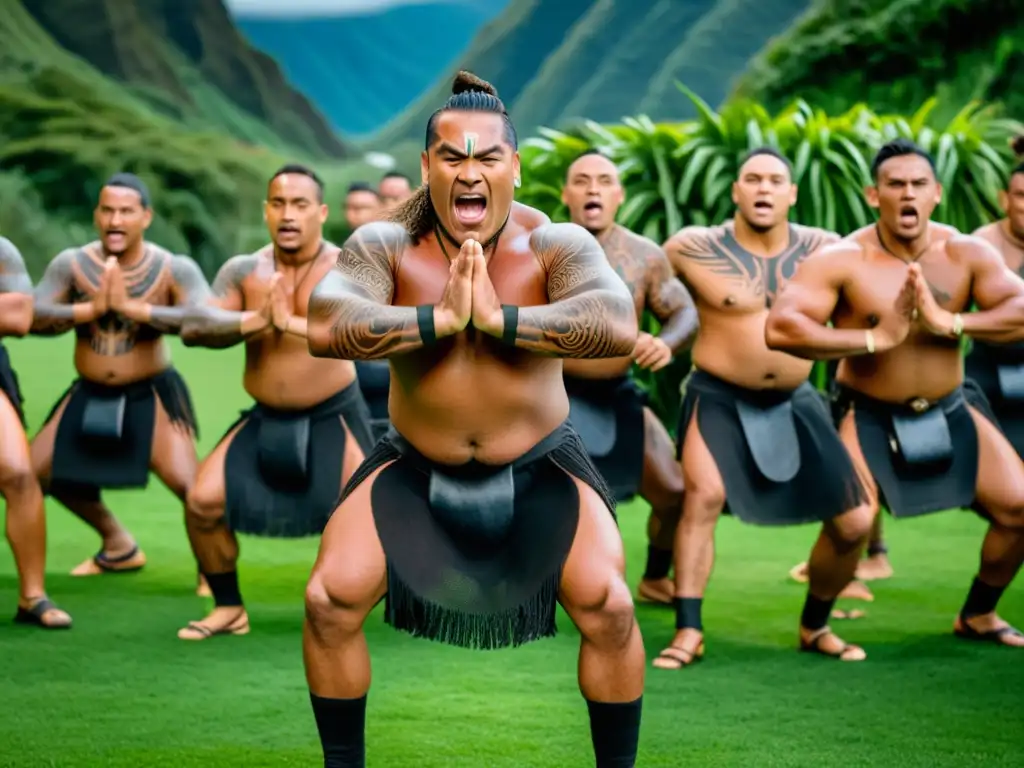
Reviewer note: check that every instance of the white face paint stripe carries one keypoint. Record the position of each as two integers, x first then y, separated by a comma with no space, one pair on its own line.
471,140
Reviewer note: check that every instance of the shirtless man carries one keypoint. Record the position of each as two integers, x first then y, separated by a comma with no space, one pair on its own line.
896,294
129,411
279,469
998,369
394,189
26,517
628,444
754,435
480,508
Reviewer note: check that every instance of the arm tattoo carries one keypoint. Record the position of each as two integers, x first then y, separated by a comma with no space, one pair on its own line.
53,315
350,312
13,276
670,302
190,289
207,325
591,314
719,253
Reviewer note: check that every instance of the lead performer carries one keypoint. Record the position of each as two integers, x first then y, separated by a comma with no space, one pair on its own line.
480,509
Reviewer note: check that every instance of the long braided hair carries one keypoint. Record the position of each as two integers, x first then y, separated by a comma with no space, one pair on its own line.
469,94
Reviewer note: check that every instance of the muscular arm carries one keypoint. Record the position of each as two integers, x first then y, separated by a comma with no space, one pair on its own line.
999,294
590,314
350,314
797,322
52,314
670,302
220,322
15,292
190,290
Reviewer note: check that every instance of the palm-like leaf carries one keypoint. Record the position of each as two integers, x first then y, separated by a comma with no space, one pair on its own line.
679,174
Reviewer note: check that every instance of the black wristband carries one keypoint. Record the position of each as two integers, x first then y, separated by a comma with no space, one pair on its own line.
425,321
510,313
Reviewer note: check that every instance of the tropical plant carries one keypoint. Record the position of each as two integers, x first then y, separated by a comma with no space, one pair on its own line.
680,174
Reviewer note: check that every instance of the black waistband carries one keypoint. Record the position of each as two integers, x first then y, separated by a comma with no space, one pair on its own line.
998,354
597,388
331,406
947,403
474,468
712,386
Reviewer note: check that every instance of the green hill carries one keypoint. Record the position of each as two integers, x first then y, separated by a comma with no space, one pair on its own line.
65,126
186,59
508,52
903,52
555,62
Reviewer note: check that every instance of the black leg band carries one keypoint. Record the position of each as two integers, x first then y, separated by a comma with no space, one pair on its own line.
688,610
982,599
510,313
425,321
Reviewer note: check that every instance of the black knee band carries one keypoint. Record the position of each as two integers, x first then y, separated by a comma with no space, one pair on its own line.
659,562
688,612
342,727
982,599
816,612
224,587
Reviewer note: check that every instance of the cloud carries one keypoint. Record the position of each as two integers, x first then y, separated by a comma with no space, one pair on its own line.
289,9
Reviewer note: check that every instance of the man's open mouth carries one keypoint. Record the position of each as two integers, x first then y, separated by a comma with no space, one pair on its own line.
287,229
470,209
763,205
908,216
593,205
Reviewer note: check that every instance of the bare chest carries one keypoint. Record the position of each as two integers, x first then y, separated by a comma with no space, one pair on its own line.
632,269
148,280
423,274
741,283
296,284
874,287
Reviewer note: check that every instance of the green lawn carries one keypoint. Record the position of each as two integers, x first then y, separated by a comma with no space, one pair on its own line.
120,689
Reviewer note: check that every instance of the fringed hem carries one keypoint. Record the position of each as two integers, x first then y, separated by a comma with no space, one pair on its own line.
525,623
176,399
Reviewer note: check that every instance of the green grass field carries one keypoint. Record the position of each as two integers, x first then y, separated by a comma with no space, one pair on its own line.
121,691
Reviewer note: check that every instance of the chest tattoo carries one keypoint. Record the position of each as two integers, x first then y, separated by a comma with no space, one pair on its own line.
113,334
628,263
763,277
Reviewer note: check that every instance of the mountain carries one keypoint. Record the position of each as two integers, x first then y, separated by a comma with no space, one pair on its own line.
555,62
362,69
507,52
905,52
185,59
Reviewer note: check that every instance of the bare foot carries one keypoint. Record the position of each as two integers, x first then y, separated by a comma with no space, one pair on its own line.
41,612
827,643
229,620
202,588
656,591
686,648
874,568
988,628
798,573
857,590
111,560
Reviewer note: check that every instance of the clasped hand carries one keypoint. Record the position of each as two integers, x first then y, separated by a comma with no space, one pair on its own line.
469,297
112,293
915,303
277,305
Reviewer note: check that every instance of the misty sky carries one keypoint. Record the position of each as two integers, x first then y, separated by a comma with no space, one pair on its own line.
292,8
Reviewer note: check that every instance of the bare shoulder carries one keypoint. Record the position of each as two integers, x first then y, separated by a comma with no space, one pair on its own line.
988,232
811,239
233,271
528,218
10,256
641,246
693,241
563,241
377,241
972,249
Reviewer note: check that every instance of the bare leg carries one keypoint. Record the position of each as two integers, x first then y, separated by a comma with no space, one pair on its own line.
26,517
694,547
216,546
1001,494
611,665
876,565
118,543
349,578
662,487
